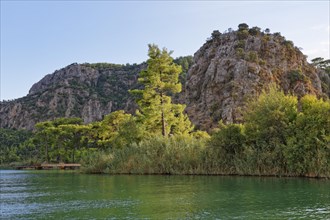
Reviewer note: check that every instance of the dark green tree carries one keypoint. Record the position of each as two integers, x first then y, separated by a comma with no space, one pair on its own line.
52,136
72,135
10,145
243,31
116,130
243,26
215,34
254,31
267,31
320,63
45,137
160,80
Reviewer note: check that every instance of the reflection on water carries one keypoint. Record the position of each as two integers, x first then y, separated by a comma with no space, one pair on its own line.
68,195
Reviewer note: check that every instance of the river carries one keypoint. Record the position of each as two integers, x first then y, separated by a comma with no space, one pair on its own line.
70,195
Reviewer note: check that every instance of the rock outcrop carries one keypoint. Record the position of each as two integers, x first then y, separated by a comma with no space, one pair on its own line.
88,91
232,68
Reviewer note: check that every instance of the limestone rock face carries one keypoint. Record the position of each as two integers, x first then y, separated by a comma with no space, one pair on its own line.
88,91
230,69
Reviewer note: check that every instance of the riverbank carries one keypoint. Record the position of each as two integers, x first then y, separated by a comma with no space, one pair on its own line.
187,156
47,166
39,166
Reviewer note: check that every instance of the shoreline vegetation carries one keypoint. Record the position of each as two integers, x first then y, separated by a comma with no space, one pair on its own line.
281,135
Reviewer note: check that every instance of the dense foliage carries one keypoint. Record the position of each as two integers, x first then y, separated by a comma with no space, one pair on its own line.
156,111
10,145
280,136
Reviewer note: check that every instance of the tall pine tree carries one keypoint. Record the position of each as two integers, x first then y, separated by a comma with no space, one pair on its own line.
156,110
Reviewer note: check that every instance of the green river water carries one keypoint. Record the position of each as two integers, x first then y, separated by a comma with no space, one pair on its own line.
70,195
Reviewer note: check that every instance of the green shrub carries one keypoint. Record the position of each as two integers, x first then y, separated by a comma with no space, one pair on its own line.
266,38
225,148
262,62
243,34
241,44
240,53
252,56
295,76
308,149
254,31
288,43
215,34
267,124
96,162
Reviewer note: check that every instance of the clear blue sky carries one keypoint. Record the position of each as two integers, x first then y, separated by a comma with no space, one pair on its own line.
39,37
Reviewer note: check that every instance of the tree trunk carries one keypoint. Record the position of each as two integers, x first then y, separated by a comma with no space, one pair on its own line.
73,152
163,116
47,157
163,125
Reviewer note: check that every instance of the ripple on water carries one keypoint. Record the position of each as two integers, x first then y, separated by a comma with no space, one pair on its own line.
17,210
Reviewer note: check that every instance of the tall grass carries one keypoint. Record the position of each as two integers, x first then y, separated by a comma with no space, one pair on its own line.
96,162
187,155
154,155
159,155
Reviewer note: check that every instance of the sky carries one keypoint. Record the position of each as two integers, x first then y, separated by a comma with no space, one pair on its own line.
39,37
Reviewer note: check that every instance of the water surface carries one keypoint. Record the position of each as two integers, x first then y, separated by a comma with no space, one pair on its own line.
69,195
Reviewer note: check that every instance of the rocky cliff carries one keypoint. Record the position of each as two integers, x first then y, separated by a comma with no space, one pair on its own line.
227,71
88,91
231,68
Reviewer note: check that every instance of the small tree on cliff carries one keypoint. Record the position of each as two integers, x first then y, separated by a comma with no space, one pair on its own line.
156,111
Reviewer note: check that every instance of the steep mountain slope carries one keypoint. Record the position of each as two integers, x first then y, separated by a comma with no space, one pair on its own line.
89,91
231,68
